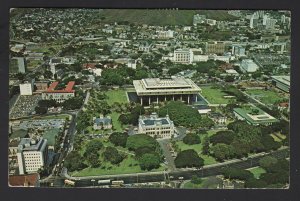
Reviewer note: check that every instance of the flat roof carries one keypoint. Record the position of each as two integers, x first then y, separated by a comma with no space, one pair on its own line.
283,79
174,85
261,117
32,147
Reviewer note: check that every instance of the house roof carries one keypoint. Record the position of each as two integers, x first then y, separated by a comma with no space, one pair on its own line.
24,180
104,121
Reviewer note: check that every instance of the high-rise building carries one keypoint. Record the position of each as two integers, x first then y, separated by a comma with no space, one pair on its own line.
26,89
32,155
270,23
238,50
183,56
254,21
216,47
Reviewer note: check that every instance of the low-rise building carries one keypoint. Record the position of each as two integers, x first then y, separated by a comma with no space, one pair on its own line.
102,123
29,180
32,155
157,127
248,66
254,116
17,65
217,117
202,109
282,82
59,95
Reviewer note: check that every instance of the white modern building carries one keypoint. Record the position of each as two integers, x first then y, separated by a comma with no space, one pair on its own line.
248,66
26,89
156,127
183,56
32,155
156,89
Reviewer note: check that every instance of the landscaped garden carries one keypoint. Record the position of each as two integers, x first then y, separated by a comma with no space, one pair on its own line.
268,97
214,95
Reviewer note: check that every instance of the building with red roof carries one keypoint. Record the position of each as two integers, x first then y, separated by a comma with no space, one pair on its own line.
29,180
60,95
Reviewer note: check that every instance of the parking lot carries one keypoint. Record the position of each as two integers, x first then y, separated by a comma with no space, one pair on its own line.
24,106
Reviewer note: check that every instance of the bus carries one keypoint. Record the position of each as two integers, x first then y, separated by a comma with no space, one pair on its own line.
117,182
107,181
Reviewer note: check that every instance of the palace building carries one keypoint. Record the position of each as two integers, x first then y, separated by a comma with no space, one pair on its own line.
156,127
155,89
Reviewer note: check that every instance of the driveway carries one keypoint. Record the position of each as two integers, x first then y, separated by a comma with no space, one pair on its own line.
168,155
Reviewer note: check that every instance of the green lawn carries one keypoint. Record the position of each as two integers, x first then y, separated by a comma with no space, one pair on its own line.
189,184
128,165
257,171
116,124
266,97
118,95
208,160
50,136
214,96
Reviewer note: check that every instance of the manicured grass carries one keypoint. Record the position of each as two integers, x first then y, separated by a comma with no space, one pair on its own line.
118,95
266,97
257,171
116,124
214,96
128,165
50,136
191,185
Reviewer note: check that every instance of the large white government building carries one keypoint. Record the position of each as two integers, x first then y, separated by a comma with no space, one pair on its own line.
32,155
156,127
153,90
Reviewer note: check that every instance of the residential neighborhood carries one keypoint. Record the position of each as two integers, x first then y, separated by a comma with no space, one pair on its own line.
156,98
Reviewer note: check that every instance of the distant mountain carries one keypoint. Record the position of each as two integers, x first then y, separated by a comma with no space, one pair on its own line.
161,16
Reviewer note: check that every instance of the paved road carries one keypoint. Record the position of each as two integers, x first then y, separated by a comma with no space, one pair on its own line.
183,174
164,144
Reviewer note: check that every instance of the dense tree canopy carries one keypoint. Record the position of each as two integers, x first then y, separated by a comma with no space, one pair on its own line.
118,139
141,140
74,162
184,115
222,151
191,138
93,146
149,161
225,137
236,173
73,103
111,154
188,158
